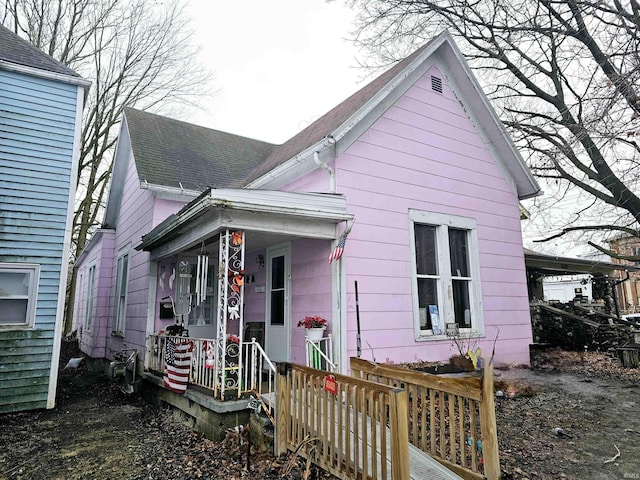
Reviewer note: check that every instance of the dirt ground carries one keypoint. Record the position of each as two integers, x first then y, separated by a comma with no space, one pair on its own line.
96,432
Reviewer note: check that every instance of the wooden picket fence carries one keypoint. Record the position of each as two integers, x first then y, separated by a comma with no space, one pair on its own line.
350,433
450,418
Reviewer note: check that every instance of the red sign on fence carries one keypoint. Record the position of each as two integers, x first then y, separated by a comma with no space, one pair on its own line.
331,384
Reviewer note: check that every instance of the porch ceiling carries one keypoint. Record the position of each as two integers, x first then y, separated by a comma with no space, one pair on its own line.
267,217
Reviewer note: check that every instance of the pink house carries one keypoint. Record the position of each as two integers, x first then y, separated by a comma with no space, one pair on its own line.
415,166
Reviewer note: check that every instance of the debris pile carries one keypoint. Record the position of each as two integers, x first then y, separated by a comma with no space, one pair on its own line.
573,327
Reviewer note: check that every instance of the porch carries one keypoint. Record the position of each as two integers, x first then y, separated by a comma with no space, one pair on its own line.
234,265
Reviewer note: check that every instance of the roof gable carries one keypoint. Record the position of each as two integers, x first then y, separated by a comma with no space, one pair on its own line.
350,118
14,49
330,121
177,154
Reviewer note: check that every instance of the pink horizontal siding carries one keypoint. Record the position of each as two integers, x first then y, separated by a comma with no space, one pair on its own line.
162,208
92,340
424,153
311,287
134,220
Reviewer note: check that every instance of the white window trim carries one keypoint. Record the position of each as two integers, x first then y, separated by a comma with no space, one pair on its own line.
440,220
89,307
119,324
32,296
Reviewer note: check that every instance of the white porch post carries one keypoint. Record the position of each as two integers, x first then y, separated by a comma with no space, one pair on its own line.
228,373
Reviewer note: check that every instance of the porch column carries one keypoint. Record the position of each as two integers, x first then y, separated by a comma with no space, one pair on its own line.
230,313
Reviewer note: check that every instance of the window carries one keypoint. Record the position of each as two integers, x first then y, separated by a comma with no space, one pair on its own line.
18,292
122,279
446,271
88,318
277,290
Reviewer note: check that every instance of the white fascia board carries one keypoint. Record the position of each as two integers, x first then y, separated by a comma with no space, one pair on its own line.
303,204
170,193
36,72
121,158
293,168
66,252
298,207
210,224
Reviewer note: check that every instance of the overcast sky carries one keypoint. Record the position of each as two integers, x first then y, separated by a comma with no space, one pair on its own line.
278,64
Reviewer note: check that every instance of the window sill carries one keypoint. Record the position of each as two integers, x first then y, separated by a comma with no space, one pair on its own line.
7,328
429,337
117,334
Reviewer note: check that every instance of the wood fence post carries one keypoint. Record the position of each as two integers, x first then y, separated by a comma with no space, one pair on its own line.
488,427
399,425
283,409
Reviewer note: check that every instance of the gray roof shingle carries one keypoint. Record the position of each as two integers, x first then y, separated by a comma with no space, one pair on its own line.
178,154
173,153
14,49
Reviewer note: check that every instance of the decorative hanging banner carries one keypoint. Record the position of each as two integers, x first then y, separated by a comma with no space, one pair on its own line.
331,384
209,362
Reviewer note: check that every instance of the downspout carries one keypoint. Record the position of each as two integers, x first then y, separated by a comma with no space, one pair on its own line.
332,173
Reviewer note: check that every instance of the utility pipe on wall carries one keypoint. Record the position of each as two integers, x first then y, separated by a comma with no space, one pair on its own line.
332,173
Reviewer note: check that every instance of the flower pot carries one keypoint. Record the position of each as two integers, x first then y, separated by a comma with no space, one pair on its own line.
315,334
463,362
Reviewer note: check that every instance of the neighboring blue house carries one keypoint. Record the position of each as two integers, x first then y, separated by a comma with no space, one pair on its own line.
41,104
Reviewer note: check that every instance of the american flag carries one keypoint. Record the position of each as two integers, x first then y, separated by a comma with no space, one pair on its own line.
339,250
178,366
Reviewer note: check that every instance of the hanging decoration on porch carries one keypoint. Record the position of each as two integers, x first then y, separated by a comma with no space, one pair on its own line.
178,365
201,276
209,362
230,312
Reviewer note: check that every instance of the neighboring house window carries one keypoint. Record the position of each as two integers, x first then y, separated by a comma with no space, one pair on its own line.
18,292
88,318
122,280
446,273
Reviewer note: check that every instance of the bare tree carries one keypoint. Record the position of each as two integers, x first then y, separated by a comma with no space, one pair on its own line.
564,77
136,53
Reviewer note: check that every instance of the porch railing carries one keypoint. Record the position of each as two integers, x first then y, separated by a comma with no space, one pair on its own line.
259,376
357,431
451,419
255,374
319,354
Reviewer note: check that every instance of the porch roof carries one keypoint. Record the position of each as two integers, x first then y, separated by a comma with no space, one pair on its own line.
552,265
293,214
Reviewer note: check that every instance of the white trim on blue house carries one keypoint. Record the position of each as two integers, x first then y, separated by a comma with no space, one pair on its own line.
66,246
36,72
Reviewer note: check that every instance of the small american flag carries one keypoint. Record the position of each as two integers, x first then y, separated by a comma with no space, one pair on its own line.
178,366
339,250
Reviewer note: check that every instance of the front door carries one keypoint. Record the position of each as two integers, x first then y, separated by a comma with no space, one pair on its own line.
278,318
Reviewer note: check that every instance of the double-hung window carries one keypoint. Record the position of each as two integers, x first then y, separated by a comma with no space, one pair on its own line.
91,279
446,285
18,292
122,280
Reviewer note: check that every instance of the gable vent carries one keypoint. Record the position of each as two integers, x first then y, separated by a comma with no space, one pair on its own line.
436,84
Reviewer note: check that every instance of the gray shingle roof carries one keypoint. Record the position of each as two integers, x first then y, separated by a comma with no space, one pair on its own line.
178,154
169,152
14,49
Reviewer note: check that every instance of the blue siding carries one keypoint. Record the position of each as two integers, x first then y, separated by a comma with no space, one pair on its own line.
37,122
